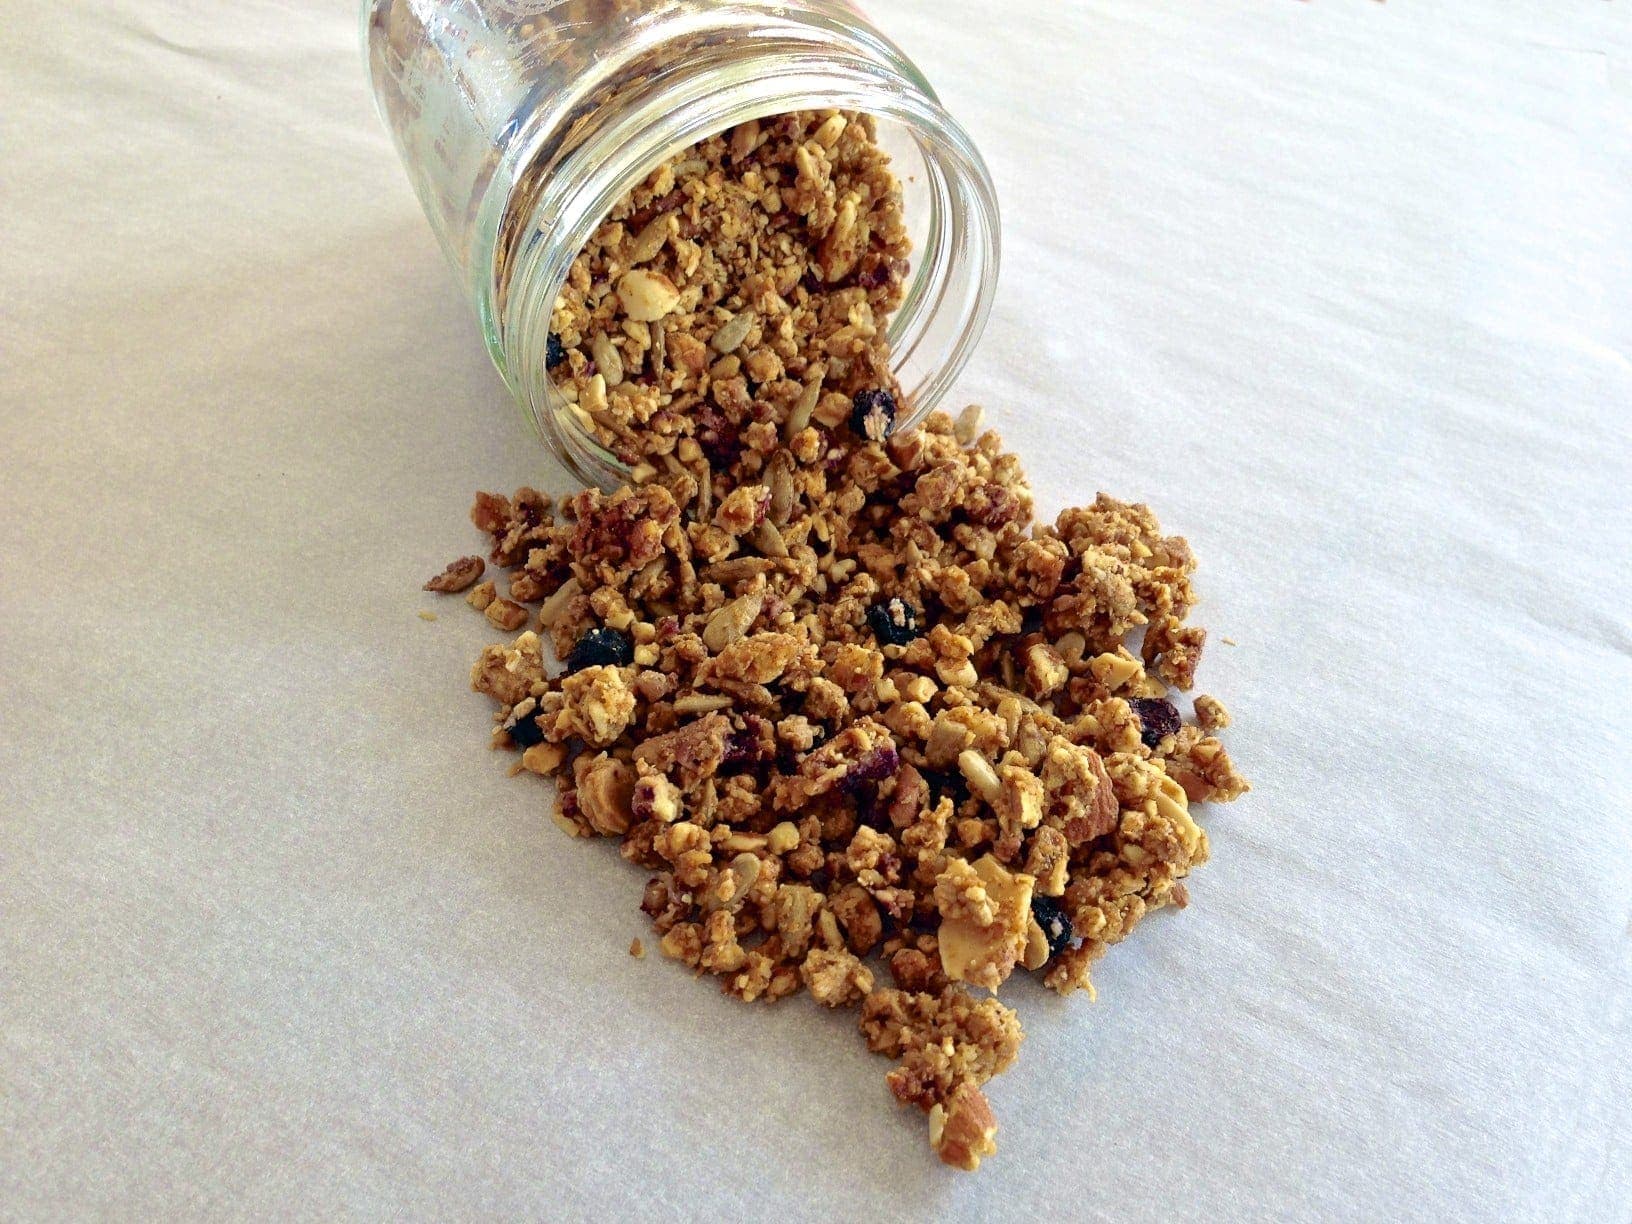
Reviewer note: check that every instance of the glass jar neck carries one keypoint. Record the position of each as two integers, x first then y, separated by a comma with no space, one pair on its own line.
596,145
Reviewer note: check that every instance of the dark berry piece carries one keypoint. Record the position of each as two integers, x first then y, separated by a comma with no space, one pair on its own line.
1158,718
601,648
554,352
526,732
873,414
875,766
893,622
1051,916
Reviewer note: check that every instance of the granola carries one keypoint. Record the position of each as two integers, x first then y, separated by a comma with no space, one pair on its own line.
871,730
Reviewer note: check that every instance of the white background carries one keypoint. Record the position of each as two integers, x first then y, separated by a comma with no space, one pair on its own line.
1341,289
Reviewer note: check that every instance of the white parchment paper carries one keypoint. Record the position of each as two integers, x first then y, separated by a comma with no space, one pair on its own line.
1340,288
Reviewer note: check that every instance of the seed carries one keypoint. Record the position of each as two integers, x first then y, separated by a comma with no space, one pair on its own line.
601,648
733,332
782,491
744,139
967,428
732,621
799,418
768,540
1158,718
607,358
873,414
701,703
650,240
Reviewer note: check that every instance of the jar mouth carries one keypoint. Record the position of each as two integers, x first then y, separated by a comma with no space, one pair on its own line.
950,287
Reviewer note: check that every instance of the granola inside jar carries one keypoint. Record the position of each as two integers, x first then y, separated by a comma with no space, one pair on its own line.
522,123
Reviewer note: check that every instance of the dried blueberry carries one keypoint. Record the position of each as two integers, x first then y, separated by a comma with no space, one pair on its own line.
601,648
894,622
873,414
554,352
1158,718
525,733
1051,916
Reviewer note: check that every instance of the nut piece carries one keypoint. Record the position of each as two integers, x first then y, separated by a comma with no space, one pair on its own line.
963,1131
505,614
647,296
980,775
605,790
984,913
1046,672
459,576
1115,670
783,837
1211,714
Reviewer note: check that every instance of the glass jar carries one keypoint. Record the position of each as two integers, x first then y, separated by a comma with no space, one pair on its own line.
522,122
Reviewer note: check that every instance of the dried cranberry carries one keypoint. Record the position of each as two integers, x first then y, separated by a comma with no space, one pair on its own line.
872,414
554,352
1158,718
1051,916
749,746
874,766
601,648
894,622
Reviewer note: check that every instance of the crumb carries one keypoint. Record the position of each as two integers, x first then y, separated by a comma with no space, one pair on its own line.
425,615
637,949
1210,714
458,575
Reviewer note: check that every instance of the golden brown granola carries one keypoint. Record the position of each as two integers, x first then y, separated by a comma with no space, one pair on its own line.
458,576
850,707
744,283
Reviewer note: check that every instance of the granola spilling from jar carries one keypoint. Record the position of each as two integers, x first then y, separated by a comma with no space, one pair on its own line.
870,730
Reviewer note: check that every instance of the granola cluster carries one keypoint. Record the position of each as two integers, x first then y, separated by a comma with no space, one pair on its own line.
743,287
871,731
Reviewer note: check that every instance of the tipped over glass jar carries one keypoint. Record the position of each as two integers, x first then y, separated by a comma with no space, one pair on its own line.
522,123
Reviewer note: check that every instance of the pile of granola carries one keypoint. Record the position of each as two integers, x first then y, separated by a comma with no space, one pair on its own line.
870,730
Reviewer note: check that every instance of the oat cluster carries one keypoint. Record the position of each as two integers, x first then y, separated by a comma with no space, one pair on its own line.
870,730
744,285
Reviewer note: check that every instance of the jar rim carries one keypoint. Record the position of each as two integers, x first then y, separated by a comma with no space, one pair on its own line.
954,275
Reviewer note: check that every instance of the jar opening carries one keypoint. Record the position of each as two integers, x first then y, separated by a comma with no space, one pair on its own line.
951,206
